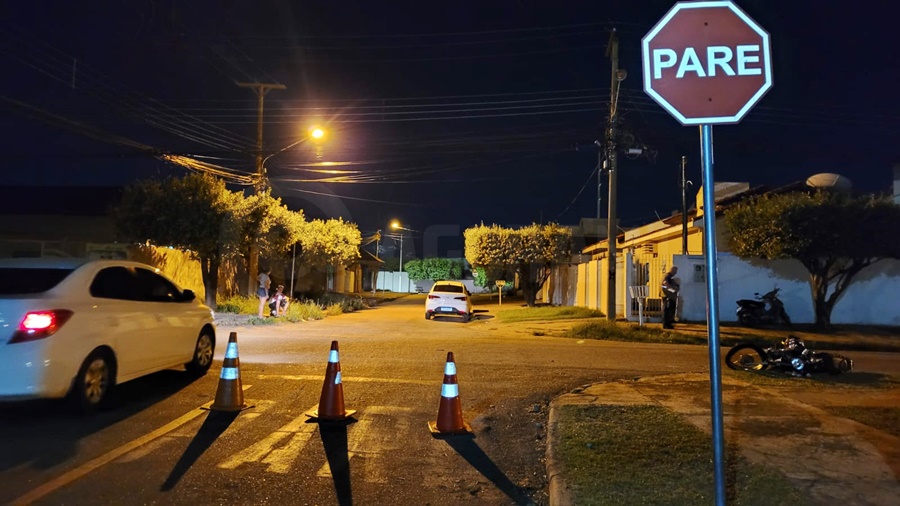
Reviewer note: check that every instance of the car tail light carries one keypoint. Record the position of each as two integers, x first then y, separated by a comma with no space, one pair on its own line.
40,324
460,298
434,296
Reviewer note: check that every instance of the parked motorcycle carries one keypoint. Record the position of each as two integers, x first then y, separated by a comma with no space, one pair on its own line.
791,356
767,308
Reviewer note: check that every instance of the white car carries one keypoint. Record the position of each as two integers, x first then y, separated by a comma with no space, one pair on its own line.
448,298
78,327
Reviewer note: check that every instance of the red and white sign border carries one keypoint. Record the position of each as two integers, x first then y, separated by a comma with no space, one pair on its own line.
767,62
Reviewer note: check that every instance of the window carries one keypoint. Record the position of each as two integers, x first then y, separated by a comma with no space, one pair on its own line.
115,283
23,281
156,288
448,288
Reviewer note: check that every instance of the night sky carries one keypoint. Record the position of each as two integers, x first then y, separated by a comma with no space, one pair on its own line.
441,115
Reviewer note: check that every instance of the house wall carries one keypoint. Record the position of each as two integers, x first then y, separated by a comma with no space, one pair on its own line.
871,298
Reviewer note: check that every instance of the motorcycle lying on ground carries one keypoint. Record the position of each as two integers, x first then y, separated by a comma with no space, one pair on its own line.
767,308
791,356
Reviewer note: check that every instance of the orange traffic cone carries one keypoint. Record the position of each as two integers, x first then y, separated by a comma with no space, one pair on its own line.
230,394
449,420
331,402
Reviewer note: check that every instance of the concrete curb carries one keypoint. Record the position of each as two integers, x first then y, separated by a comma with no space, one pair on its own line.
559,491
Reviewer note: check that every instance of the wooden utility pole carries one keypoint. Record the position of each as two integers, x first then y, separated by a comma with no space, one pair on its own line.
261,91
262,181
612,229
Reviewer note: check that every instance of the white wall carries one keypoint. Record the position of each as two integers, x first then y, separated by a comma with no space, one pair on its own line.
395,282
873,297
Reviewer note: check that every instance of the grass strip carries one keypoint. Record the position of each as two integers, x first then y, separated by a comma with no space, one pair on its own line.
606,330
546,313
885,419
648,455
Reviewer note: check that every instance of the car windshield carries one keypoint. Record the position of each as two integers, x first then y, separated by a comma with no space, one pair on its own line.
24,281
448,288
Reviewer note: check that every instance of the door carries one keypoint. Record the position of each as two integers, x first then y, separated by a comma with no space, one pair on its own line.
123,319
175,331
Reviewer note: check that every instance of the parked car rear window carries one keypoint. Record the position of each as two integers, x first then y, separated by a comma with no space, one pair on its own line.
23,280
448,288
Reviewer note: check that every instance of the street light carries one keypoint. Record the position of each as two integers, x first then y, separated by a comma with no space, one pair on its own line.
396,226
315,133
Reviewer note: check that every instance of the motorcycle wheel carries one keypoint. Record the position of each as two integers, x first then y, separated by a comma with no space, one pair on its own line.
835,364
745,357
785,318
746,318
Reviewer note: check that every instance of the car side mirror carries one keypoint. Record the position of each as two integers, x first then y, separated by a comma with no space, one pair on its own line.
188,295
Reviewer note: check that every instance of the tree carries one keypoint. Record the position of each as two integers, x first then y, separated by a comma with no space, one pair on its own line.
195,214
833,235
434,268
530,251
269,224
487,277
332,241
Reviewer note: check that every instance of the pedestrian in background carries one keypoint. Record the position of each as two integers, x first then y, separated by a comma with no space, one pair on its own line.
262,291
670,288
278,303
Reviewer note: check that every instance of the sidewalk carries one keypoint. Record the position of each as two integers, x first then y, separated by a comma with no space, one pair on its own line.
832,461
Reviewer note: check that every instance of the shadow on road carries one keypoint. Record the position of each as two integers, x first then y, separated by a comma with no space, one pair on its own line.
468,449
215,424
43,434
334,439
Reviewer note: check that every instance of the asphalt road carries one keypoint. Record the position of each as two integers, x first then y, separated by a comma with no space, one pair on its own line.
156,446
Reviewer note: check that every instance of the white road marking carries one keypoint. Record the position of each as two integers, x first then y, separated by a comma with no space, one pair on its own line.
277,459
346,379
370,444
92,465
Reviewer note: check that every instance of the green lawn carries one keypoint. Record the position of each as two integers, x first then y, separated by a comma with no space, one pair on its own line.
647,455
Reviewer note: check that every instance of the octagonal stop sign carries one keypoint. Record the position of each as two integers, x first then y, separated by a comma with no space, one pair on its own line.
706,62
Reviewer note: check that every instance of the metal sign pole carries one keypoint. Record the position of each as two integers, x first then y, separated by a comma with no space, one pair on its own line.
712,309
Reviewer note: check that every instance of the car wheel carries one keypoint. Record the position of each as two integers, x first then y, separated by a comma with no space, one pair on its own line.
467,317
92,384
203,354
427,315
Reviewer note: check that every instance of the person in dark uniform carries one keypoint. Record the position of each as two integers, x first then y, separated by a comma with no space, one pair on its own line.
670,288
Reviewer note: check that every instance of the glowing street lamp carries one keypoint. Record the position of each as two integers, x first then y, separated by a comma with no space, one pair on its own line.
396,226
317,134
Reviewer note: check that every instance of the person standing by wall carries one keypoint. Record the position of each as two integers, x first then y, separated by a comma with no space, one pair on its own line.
262,291
670,288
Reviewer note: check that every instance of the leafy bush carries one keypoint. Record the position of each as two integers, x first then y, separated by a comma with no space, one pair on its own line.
434,268
299,311
238,304
330,304
486,277
347,303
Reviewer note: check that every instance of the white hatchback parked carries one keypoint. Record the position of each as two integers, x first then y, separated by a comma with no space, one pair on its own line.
77,327
448,298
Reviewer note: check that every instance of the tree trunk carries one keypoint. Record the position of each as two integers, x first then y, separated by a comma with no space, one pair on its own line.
821,306
209,269
525,278
819,277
